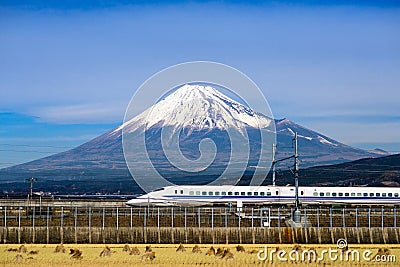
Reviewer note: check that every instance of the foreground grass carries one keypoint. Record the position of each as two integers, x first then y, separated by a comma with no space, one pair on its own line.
166,255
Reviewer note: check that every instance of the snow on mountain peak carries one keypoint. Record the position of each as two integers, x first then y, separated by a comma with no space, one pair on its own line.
198,107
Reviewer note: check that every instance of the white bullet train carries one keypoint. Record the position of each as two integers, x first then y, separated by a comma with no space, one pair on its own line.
188,195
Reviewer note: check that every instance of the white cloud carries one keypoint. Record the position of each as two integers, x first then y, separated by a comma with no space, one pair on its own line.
78,114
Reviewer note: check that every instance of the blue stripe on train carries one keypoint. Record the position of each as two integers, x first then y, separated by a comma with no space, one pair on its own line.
286,197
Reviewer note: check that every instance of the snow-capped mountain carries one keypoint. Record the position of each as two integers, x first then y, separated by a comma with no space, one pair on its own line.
200,112
198,107
174,130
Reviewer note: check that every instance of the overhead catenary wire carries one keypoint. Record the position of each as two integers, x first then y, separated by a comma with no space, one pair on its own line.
27,151
31,150
38,146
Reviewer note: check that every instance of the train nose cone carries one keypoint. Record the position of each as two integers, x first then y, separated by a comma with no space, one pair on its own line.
137,202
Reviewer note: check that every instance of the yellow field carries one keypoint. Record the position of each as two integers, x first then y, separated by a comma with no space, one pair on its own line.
166,255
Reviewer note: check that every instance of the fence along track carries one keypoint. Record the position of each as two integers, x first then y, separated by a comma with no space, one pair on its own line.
48,224
192,217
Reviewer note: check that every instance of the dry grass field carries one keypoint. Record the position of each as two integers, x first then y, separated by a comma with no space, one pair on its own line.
167,255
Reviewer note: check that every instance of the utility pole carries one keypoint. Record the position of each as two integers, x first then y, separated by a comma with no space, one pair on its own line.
31,181
297,214
273,164
295,221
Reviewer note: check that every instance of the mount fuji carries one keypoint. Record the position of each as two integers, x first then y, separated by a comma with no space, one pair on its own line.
195,112
198,107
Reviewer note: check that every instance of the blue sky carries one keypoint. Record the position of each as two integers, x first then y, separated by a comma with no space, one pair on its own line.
69,68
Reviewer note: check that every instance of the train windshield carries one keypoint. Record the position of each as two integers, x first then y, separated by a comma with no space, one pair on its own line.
159,189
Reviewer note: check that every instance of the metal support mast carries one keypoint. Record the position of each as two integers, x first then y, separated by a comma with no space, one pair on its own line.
31,180
297,214
296,170
273,164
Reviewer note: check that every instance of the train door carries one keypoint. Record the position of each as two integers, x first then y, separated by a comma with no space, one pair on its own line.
277,194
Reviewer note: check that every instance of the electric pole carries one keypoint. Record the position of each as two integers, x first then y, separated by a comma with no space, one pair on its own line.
273,164
297,214
31,181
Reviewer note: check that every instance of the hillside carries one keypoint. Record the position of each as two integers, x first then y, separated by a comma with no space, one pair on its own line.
384,171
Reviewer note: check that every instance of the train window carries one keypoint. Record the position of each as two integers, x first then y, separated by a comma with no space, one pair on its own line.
256,193
191,193
328,194
365,194
236,193
176,192
390,194
181,192
384,194
340,194
334,194
359,194
371,194
197,193
229,193
315,194
321,194
302,192
249,193
242,193
346,194
277,192
262,193
378,194
210,193
204,193
353,194
268,193
396,194
217,193
223,193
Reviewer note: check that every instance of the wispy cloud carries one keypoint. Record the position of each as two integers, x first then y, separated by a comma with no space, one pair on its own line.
76,114
24,138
